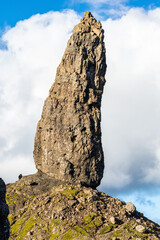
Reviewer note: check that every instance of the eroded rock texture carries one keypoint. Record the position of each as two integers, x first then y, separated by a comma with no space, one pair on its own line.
68,138
4,211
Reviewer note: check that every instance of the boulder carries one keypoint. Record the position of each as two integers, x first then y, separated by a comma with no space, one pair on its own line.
140,228
130,208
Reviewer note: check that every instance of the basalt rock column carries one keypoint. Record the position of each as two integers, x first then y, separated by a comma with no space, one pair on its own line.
4,211
68,137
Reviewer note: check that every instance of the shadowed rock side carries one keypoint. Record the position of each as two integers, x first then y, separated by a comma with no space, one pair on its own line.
68,138
4,211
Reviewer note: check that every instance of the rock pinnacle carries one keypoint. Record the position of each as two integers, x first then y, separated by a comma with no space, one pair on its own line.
68,138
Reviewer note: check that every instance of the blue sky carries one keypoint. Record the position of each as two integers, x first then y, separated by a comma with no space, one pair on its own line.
131,101
12,11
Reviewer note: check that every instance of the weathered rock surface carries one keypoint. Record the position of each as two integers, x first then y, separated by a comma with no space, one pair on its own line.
71,212
68,138
4,211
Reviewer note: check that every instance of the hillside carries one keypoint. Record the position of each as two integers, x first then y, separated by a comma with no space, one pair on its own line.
39,211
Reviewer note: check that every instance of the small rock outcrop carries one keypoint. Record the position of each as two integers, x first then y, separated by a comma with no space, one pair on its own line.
4,211
130,208
140,228
68,138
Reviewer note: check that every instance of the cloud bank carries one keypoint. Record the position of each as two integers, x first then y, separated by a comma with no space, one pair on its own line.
29,55
131,104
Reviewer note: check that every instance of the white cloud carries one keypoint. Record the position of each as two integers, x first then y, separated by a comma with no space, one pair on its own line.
131,102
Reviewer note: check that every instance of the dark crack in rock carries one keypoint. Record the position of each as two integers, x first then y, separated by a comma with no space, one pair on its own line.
68,138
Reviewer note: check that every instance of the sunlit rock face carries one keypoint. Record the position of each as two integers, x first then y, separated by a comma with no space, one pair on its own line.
68,138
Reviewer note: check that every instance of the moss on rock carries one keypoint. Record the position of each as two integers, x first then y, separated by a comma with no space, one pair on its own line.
70,193
72,234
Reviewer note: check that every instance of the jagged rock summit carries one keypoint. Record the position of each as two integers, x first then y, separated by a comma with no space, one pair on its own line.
68,144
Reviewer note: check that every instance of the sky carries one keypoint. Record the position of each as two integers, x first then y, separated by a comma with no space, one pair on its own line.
33,37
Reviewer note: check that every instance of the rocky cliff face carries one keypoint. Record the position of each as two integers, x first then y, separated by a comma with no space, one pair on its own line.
68,138
4,211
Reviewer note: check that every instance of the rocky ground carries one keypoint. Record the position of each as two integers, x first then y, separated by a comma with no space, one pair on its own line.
40,210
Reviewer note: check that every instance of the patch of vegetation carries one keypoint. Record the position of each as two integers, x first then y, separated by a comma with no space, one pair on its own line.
98,221
108,228
91,227
28,225
88,218
141,235
81,230
91,222
23,226
117,233
56,222
54,236
11,198
11,219
70,193
72,234
128,226
17,226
